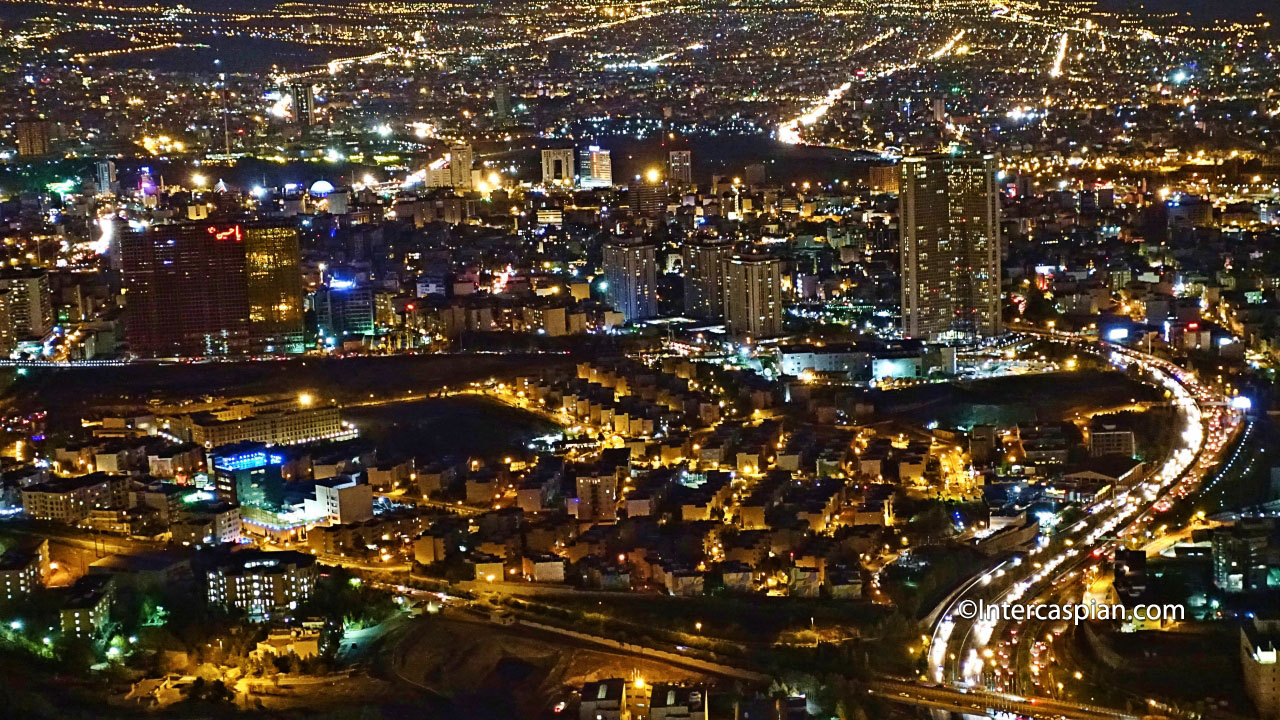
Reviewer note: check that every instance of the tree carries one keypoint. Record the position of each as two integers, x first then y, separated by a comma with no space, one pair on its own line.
75,654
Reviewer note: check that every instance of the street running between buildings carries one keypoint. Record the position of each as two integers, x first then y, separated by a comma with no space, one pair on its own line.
1070,612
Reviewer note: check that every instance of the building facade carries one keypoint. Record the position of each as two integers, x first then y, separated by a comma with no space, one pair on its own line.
29,303
595,167
557,167
23,570
949,227
33,137
203,289
649,199
274,288
631,276
680,167
262,584
704,261
344,312
70,500
753,300
1111,440
88,607
1260,659
248,474
342,501
274,426
460,159
598,497
304,105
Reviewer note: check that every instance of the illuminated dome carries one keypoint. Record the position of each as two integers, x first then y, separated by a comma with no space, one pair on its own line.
321,187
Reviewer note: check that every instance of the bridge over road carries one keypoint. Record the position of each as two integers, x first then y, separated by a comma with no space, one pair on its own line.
981,702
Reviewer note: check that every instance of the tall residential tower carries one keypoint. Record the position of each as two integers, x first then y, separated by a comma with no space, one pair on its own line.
949,220
631,274
753,296
680,168
704,260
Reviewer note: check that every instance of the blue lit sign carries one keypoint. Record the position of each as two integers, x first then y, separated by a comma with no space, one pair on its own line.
247,461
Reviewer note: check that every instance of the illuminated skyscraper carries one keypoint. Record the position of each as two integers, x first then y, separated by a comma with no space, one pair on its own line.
680,168
30,302
753,296
274,287
595,167
460,159
949,220
704,260
184,290
211,289
8,338
33,137
105,176
631,277
304,105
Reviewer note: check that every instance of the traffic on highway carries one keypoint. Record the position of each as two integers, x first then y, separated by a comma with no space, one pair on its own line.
988,653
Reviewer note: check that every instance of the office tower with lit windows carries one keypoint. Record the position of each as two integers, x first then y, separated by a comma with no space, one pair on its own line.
249,474
557,167
104,172
595,167
274,287
184,290
949,228
649,200
704,260
631,278
304,105
344,311
197,289
33,137
29,301
680,168
460,159
883,179
753,296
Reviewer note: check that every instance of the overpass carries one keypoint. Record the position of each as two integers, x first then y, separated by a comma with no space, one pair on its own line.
982,702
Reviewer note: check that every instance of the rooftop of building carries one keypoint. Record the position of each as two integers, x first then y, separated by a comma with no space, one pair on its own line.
87,592
70,484
265,561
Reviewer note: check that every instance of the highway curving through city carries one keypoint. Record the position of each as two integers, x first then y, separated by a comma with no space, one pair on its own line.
983,658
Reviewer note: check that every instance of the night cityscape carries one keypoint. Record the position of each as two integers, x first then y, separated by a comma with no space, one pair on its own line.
640,360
